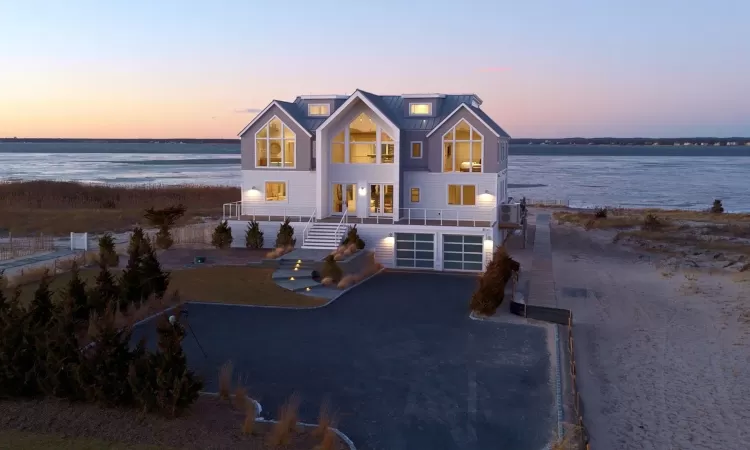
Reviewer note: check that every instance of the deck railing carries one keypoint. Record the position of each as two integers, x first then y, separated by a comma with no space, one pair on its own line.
471,217
262,213
460,216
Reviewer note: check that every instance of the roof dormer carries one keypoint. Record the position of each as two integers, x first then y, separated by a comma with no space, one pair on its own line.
421,105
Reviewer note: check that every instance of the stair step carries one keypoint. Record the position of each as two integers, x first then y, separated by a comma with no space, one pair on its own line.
285,274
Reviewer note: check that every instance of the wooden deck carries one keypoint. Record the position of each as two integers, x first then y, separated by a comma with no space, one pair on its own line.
376,221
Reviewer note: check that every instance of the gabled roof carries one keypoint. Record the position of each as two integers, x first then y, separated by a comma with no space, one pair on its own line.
392,108
287,108
372,100
479,114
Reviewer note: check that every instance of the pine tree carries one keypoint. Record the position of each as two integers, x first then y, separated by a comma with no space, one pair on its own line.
222,235
17,354
164,219
135,244
105,291
76,292
130,282
107,253
58,354
42,308
176,386
154,281
253,235
103,372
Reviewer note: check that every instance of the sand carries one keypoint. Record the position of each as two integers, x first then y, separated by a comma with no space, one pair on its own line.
662,352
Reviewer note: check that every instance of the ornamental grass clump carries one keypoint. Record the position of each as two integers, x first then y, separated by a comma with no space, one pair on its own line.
490,291
331,269
352,239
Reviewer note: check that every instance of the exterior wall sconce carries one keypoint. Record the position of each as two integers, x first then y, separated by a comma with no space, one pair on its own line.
362,191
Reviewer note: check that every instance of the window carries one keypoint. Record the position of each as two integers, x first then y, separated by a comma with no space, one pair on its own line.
462,149
414,195
387,148
275,145
420,109
275,191
363,140
338,149
416,150
322,109
462,194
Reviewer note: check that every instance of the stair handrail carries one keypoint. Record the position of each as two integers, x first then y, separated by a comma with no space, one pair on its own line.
341,222
310,221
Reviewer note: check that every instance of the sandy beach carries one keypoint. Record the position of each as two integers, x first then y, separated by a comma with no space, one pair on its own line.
661,350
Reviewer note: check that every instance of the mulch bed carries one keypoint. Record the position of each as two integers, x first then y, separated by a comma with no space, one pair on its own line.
211,423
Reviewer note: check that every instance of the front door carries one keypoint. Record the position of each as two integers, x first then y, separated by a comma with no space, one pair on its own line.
381,199
344,198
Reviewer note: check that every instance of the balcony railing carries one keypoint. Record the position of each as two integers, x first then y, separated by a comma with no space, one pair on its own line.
262,213
461,216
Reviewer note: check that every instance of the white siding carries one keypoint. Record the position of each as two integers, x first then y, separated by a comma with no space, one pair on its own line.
301,192
269,229
433,195
376,239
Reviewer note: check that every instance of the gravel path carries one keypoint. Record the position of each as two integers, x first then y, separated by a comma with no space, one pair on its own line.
662,355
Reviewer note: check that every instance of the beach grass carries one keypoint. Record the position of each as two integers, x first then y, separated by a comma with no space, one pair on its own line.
58,208
629,218
221,284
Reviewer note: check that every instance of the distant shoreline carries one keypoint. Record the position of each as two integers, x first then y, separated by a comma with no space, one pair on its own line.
606,141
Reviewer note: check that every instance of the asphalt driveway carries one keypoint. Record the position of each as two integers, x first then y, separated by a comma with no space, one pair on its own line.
398,358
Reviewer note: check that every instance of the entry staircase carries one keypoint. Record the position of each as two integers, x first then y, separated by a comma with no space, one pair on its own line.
325,236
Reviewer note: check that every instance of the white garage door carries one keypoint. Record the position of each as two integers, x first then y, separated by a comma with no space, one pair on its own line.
415,250
462,252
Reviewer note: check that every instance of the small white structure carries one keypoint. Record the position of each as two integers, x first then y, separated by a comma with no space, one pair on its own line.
79,241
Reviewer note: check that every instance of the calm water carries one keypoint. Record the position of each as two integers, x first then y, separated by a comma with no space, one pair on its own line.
671,177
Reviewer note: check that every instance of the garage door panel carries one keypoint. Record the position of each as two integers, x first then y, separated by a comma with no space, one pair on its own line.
452,265
452,256
404,245
463,252
404,263
449,247
415,250
473,257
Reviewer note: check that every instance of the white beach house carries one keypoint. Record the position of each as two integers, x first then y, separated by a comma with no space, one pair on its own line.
423,176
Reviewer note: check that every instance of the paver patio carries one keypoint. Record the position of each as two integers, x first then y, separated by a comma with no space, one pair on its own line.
399,359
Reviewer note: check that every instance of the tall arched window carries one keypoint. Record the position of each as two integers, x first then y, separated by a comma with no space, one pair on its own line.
275,145
363,140
462,149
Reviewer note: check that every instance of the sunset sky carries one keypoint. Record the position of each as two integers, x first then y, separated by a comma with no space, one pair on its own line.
544,68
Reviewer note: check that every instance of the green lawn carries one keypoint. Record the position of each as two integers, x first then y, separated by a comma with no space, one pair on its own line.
222,284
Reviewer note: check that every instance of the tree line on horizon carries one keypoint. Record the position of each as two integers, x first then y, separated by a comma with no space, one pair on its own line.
740,141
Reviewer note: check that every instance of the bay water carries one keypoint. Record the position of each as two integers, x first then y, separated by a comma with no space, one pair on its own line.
584,176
